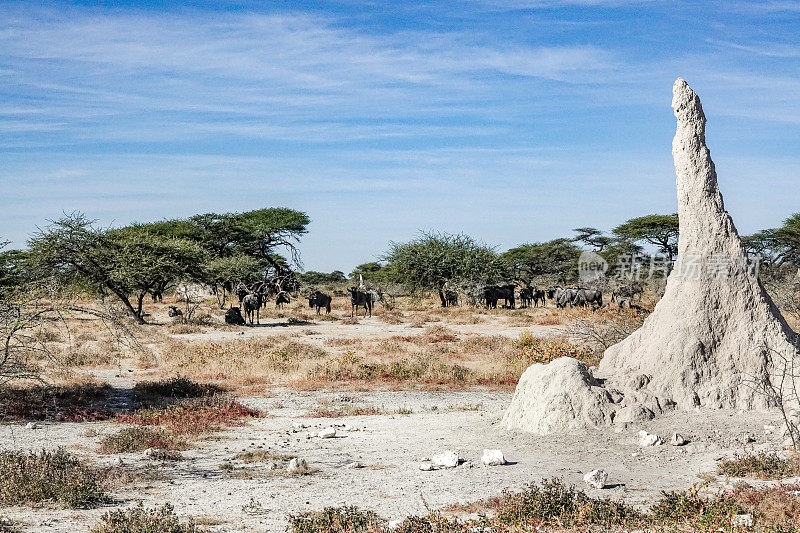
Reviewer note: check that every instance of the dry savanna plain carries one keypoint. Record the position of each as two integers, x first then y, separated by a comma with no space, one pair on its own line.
312,423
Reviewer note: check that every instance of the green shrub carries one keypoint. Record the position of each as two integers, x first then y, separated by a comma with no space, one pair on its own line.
27,478
142,520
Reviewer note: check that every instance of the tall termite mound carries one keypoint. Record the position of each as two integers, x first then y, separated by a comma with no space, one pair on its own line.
712,336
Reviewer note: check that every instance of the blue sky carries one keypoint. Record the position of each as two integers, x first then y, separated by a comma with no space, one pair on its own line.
510,121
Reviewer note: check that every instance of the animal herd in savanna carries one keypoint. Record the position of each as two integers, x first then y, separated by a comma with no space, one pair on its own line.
253,299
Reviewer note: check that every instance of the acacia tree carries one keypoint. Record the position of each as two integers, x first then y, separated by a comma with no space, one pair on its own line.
660,230
592,237
127,262
556,260
223,273
434,260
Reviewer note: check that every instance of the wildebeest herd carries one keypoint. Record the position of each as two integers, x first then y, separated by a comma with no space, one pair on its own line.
253,299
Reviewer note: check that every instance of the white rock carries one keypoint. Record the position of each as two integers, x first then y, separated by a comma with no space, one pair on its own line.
596,478
649,439
446,459
677,439
745,520
272,466
426,466
493,458
394,524
354,464
327,433
32,425
297,466
299,425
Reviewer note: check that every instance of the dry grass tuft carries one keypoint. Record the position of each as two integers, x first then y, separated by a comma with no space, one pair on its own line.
56,477
142,520
192,417
167,391
761,466
65,403
139,439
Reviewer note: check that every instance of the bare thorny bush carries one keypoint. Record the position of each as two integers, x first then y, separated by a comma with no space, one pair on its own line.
26,314
780,388
604,328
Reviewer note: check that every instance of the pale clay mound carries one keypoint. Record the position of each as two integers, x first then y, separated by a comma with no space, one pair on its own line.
708,339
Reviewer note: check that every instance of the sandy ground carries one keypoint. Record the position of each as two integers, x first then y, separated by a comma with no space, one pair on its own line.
390,448
318,332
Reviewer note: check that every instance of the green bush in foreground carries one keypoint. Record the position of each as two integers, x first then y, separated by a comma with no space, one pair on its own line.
28,478
142,520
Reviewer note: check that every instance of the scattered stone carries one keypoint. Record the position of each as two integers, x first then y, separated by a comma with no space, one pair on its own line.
272,466
649,439
327,433
677,440
745,520
32,425
746,438
596,478
299,425
426,466
493,458
446,459
297,466
769,429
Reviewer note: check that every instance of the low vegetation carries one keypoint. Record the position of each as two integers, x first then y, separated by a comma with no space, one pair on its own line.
192,417
138,439
48,477
64,403
761,466
554,506
144,520
149,393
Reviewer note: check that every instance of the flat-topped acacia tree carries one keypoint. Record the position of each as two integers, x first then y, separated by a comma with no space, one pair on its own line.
141,259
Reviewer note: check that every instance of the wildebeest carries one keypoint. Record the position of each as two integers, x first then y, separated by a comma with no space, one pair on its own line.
493,293
233,317
282,298
450,298
174,311
359,298
587,298
252,305
628,291
526,296
318,300
538,296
